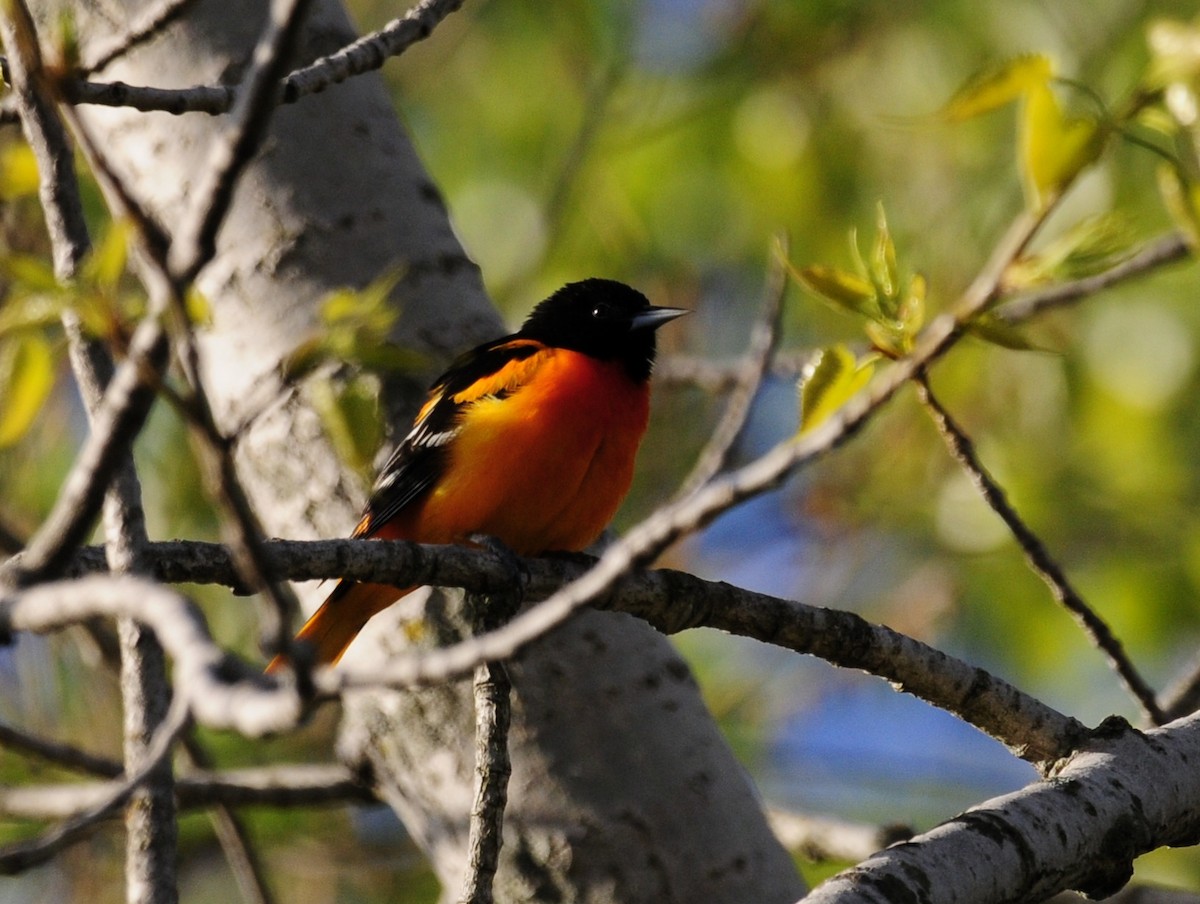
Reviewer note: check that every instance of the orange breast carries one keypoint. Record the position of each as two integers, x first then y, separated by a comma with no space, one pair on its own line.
543,468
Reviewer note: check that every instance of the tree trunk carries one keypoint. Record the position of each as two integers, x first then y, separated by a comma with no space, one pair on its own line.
622,789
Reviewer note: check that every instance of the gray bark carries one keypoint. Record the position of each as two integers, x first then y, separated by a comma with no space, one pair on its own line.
1125,793
622,789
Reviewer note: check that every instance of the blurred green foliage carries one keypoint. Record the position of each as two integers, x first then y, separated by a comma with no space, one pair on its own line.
664,143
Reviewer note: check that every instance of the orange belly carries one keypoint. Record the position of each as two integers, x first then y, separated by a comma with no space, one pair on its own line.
504,480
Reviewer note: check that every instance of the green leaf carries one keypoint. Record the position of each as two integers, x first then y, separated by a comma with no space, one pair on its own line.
1182,200
303,359
105,265
996,86
392,358
29,273
1090,246
26,377
828,383
992,329
844,289
884,271
198,309
350,416
18,172
22,313
1055,148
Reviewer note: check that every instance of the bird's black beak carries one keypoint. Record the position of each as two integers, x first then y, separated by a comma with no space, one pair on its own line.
654,317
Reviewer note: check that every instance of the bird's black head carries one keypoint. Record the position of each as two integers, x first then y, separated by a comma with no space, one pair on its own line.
601,318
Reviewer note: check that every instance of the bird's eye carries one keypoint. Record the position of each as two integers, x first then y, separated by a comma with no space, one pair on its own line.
602,311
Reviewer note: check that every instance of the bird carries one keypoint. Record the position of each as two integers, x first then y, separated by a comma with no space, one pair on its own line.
529,440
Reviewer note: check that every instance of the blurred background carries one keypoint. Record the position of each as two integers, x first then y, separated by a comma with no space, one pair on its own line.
664,143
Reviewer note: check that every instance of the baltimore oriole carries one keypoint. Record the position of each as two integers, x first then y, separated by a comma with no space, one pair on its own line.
529,439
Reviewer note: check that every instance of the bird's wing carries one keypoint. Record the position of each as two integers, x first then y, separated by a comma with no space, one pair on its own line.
492,371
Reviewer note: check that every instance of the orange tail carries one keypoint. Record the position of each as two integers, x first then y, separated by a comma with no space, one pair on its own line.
341,617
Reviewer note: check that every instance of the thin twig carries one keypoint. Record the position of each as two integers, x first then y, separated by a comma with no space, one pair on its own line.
150,827
192,247
147,23
194,243
366,54
671,601
321,785
369,52
249,873
1182,695
751,370
126,404
59,754
720,376
58,186
15,858
1036,555
492,690
1153,255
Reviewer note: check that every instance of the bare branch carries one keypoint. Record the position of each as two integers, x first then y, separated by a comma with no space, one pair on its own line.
1182,695
147,22
21,856
231,833
126,404
751,371
271,786
1153,255
208,684
718,376
369,52
672,601
57,753
366,54
150,829
492,770
212,99
1036,555
58,186
194,242
1128,793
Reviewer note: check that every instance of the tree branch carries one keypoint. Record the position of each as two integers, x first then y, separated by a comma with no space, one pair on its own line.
722,376
148,21
59,754
58,187
209,686
151,832
366,54
492,771
1153,255
194,243
21,856
751,370
271,786
672,601
1036,555
1126,794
